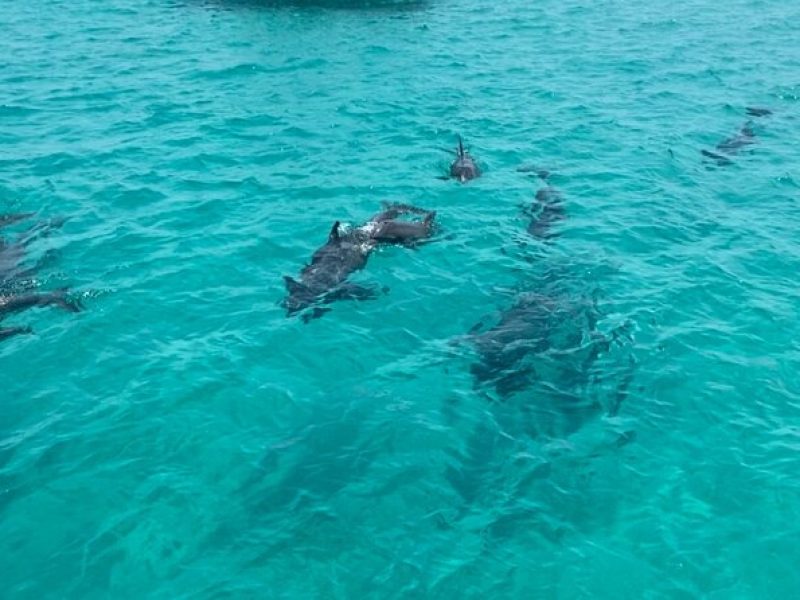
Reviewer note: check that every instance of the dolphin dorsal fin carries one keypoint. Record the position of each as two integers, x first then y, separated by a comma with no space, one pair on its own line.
334,234
460,147
292,285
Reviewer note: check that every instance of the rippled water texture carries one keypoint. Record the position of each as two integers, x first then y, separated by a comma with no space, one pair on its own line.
182,438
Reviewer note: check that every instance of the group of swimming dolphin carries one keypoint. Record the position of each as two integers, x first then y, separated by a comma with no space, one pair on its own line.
523,329
325,278
529,327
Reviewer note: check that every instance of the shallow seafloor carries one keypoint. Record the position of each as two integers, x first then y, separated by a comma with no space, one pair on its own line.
182,438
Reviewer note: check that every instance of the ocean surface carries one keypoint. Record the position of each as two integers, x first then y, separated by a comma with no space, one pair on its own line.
181,437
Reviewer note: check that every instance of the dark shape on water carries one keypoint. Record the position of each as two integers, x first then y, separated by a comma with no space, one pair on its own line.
16,292
546,211
389,229
731,146
535,325
324,280
745,137
543,351
464,167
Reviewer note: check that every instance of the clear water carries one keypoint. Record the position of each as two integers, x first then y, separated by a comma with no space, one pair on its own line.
181,438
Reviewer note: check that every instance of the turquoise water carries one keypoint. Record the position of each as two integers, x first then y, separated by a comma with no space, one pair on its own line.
182,438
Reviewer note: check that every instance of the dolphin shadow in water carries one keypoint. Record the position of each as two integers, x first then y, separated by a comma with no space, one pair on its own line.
16,289
731,146
324,280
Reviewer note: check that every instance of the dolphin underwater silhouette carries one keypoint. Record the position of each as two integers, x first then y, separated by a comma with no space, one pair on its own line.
546,210
731,146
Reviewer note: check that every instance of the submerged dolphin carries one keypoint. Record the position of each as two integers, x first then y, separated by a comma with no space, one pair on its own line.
464,167
731,146
545,325
546,211
324,280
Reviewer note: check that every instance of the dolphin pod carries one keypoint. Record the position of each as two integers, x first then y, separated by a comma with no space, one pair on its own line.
324,279
16,293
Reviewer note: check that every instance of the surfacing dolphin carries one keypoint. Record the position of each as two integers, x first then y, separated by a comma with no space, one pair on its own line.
464,167
385,227
15,287
346,251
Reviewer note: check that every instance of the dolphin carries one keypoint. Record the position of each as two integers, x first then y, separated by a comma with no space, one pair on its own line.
745,137
547,210
386,227
16,303
731,146
540,324
324,279
464,167
15,294
346,251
